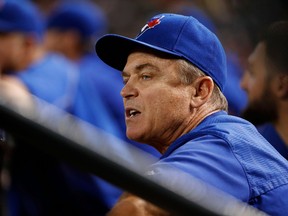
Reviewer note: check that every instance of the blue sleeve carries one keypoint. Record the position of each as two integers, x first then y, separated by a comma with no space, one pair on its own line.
279,199
210,160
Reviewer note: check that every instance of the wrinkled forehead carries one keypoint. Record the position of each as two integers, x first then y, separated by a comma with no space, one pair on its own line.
141,64
149,59
145,53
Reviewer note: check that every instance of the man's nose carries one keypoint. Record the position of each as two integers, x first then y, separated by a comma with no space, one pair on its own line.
243,82
129,90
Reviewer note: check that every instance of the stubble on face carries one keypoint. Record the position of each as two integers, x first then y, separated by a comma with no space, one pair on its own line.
262,110
262,107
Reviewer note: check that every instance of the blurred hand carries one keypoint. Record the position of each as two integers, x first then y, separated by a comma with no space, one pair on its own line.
129,204
15,93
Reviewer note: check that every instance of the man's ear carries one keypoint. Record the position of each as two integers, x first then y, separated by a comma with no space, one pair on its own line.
203,88
282,86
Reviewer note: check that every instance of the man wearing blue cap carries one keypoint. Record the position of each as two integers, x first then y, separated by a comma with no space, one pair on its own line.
70,29
23,55
174,74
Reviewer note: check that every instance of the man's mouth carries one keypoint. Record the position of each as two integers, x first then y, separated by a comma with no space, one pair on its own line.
132,113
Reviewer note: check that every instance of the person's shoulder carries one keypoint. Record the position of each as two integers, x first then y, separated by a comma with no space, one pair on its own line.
265,127
274,202
54,60
51,67
223,118
57,66
225,126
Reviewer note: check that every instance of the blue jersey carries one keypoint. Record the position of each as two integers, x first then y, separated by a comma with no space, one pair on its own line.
41,184
228,153
53,79
92,95
269,132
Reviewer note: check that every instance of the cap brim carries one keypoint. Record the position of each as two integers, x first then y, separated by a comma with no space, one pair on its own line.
114,49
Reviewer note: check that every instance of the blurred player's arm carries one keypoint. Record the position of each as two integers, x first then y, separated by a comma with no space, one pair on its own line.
129,204
15,93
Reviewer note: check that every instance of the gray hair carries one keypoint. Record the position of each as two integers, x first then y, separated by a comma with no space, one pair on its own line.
189,72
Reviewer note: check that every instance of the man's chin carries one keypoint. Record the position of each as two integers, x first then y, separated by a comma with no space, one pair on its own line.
132,135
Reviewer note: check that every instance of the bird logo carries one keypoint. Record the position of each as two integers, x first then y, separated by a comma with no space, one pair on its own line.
151,24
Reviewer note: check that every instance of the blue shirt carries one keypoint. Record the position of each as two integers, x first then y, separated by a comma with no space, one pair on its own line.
53,79
228,153
40,184
90,105
269,132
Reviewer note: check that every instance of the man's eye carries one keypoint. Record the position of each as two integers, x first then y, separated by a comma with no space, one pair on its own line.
250,73
125,81
146,77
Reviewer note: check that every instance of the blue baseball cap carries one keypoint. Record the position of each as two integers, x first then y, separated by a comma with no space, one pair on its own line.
20,17
177,35
84,17
200,15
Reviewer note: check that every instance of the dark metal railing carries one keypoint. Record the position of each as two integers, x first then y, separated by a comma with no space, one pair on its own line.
78,143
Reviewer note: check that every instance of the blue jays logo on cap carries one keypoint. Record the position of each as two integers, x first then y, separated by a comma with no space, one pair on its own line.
179,36
151,23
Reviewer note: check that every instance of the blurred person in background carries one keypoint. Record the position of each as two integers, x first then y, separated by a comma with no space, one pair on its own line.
72,29
23,55
39,183
266,83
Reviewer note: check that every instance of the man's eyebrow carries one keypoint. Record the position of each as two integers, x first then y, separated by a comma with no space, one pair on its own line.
141,67
146,65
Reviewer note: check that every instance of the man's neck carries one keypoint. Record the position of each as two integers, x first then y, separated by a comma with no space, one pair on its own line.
196,118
